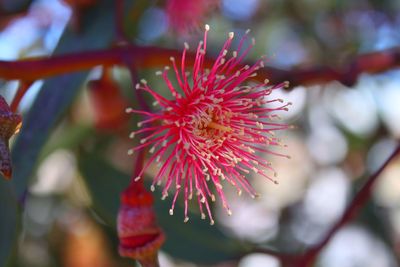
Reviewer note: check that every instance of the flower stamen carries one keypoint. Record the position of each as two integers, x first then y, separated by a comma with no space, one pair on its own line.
215,131
220,127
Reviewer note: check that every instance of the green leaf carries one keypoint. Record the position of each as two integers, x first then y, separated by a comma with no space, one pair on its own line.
69,137
195,241
8,220
376,219
14,6
57,93
105,185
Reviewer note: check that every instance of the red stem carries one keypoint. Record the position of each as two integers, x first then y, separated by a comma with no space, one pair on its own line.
138,166
138,93
356,204
144,57
308,258
119,21
23,88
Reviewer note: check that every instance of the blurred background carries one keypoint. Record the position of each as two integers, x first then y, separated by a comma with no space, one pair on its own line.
342,135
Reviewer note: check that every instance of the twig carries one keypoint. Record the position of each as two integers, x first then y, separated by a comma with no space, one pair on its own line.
119,21
356,204
144,57
307,259
22,89
130,65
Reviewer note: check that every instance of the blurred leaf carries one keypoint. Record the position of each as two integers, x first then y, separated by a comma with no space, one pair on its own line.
67,138
14,6
195,241
105,185
58,93
377,220
8,221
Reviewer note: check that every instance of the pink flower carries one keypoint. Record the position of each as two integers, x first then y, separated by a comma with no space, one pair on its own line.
213,130
187,15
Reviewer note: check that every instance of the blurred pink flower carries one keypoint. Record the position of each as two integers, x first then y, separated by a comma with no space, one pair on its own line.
186,15
213,129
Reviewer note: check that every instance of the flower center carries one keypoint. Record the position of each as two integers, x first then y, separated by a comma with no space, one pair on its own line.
211,124
218,126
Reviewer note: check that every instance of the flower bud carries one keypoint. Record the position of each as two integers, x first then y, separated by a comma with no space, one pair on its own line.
108,104
10,123
139,235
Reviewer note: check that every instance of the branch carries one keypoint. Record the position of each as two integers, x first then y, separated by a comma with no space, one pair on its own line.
138,93
356,204
146,57
307,259
22,89
119,21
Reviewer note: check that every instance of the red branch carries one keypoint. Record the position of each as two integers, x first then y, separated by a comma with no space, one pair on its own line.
145,57
358,202
22,89
308,258
119,21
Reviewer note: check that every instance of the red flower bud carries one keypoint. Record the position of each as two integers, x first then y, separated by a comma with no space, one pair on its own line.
108,103
10,123
140,236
